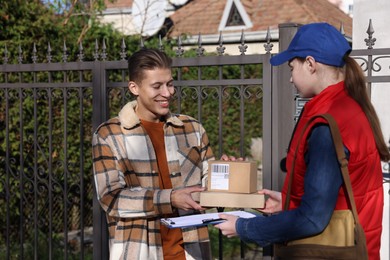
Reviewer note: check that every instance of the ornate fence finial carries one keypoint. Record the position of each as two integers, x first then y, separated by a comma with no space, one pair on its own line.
48,55
96,53
34,56
243,46
64,53
179,50
104,48
200,49
20,55
123,49
160,45
81,52
370,31
268,45
342,28
221,48
5,58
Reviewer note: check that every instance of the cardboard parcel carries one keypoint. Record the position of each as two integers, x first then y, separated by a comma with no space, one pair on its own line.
232,184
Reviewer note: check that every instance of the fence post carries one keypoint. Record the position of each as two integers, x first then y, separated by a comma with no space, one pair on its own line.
268,90
99,115
278,117
283,106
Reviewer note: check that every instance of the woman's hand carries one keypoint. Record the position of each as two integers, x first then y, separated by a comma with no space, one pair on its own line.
225,157
228,228
273,203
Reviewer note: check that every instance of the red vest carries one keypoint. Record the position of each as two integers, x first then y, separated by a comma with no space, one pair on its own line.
364,164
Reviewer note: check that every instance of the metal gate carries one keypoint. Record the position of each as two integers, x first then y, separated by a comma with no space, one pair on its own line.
48,111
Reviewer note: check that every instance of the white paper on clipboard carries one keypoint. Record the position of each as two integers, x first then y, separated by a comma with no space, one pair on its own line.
202,219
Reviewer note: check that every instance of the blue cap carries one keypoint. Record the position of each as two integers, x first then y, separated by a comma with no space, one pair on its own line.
319,40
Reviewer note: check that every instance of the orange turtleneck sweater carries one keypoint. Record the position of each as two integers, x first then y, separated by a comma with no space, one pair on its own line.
172,239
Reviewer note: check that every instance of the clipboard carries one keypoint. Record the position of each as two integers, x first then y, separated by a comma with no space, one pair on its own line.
202,219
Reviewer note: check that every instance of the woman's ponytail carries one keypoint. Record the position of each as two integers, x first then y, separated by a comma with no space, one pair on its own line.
355,84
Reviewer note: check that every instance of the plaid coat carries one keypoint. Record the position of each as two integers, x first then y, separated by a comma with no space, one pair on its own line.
127,183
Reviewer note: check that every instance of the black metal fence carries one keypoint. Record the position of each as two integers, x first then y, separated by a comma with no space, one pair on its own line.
49,110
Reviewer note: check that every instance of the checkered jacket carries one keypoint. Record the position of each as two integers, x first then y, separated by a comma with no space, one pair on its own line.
127,183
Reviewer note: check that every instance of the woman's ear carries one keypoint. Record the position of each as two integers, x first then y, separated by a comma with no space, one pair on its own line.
133,88
311,63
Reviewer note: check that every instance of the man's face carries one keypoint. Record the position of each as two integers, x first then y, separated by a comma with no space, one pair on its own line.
154,93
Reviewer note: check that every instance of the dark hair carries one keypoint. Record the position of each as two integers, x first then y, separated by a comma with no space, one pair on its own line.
147,59
355,84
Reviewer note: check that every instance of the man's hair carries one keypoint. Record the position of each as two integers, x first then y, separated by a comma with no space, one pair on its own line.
147,59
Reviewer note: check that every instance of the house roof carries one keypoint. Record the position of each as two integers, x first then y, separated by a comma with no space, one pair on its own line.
118,3
204,16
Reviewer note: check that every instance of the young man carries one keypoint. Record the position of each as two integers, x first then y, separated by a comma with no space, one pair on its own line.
149,164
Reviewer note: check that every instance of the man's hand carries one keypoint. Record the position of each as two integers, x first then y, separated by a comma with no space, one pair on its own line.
273,203
182,199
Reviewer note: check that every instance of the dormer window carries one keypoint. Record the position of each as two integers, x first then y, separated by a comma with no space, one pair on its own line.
234,17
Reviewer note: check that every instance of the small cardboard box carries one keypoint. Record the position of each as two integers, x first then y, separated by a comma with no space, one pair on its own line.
232,176
231,200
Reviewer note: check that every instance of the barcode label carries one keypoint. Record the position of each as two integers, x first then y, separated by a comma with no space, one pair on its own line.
219,177
220,168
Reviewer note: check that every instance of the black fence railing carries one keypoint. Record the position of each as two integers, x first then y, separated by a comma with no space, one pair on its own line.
48,112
